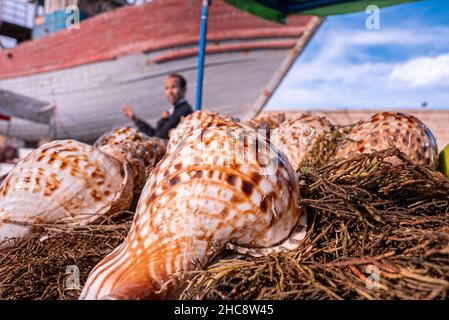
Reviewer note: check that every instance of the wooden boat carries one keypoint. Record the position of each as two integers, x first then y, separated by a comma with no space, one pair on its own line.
84,76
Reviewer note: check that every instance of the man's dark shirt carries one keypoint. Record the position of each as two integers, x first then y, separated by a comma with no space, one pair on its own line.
164,125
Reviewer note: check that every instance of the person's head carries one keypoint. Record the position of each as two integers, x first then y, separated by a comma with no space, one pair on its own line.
175,88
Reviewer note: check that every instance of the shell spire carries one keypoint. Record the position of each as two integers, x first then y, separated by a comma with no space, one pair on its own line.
195,121
297,135
270,120
131,146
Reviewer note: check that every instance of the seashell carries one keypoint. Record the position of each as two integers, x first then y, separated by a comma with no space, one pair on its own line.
195,121
62,182
215,188
270,120
150,149
296,136
134,147
158,147
382,130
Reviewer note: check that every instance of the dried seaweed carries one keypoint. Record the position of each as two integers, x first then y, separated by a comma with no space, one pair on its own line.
44,266
377,231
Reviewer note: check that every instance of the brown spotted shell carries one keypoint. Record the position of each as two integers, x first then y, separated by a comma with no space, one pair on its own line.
383,130
132,146
150,149
195,121
271,120
296,136
223,184
62,182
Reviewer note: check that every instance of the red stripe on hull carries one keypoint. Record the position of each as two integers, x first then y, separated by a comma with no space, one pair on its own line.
186,53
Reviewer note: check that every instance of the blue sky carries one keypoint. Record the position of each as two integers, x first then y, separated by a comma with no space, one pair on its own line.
402,65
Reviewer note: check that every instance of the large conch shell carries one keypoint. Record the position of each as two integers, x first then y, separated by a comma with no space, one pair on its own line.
387,129
222,185
62,182
296,136
130,145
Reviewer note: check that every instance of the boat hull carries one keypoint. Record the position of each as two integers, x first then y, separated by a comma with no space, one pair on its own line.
244,64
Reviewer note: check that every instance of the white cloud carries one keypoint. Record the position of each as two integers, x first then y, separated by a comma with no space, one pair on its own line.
423,72
333,71
341,95
331,60
338,71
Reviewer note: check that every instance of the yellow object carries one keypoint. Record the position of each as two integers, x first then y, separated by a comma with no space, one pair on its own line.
444,161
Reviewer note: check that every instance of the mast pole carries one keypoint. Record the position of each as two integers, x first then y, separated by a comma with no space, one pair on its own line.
202,53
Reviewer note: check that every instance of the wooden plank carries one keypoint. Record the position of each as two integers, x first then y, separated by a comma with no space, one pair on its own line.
217,48
16,105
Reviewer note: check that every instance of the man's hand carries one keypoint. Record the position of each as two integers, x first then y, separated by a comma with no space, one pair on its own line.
128,111
165,114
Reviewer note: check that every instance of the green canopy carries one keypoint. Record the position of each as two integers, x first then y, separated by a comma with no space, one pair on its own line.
278,10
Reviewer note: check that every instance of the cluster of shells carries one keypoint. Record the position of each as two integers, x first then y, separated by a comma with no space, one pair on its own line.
69,183
217,183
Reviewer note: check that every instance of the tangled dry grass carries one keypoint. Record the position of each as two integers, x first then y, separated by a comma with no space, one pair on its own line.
377,231
40,268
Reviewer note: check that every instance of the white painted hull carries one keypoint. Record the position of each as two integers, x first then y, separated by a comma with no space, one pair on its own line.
89,98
